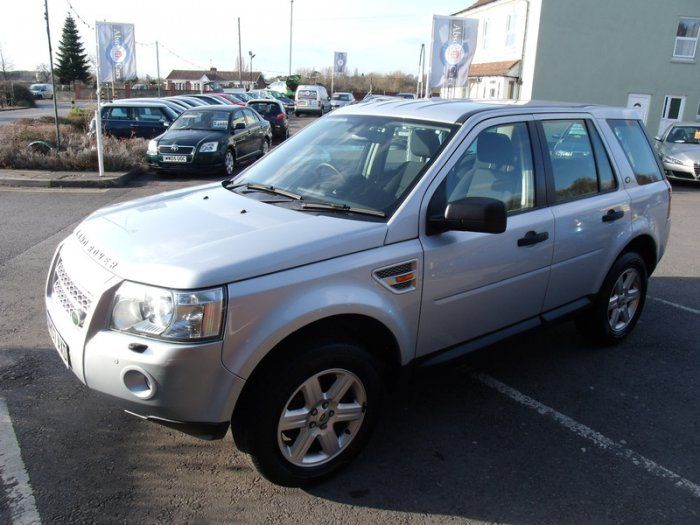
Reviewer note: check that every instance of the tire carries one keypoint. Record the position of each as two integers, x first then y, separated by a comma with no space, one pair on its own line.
628,273
229,163
296,114
265,147
327,447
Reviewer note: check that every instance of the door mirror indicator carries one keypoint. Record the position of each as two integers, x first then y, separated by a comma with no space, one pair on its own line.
471,214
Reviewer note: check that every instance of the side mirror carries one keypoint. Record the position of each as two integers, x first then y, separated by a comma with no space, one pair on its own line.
471,214
658,139
239,125
166,123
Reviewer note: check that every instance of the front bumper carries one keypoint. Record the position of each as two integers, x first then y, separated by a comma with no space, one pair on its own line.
182,385
682,171
196,162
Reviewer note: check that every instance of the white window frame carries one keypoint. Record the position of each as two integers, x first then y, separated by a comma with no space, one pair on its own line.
511,21
485,44
686,39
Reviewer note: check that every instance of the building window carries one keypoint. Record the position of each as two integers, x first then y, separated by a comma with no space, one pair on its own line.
485,35
686,38
510,29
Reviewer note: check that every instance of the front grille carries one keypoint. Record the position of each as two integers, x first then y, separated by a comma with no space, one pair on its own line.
67,293
683,174
181,150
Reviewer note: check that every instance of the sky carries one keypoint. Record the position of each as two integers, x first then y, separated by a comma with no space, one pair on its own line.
378,35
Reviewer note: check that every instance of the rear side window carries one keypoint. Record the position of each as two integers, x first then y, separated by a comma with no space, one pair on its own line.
579,163
119,114
635,144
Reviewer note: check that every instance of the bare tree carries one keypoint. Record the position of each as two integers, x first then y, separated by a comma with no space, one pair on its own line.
5,63
43,74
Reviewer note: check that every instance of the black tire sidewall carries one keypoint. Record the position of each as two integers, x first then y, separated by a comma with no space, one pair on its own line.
277,385
598,320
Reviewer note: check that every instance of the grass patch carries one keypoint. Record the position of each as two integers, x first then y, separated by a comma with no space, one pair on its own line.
78,149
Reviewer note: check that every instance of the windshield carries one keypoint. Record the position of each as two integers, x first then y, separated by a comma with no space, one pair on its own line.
266,108
341,96
684,135
38,87
367,162
204,120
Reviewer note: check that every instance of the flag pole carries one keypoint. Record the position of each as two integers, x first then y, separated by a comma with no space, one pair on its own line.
98,113
430,59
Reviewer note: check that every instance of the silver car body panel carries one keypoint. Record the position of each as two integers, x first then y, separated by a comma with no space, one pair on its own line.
285,269
687,154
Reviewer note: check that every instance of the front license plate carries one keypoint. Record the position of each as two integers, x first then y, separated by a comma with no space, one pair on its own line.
58,342
174,158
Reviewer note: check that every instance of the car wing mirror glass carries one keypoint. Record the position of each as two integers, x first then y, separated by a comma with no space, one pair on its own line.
239,125
471,214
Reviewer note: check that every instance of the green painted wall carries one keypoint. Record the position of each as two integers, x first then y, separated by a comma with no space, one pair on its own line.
599,51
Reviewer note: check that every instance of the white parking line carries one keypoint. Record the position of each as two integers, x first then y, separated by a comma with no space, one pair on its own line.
679,306
22,506
588,433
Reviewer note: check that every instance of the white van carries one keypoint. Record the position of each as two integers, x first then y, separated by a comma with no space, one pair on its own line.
312,99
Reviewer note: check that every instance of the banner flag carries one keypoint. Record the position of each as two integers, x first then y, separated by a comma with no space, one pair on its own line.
453,47
116,49
340,61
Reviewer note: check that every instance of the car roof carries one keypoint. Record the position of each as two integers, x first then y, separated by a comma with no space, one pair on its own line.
218,107
128,102
457,111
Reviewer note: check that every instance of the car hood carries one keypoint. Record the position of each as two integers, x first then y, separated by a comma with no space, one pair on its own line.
189,137
208,235
685,152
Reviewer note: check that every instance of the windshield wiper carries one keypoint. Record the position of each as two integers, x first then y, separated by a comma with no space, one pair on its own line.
267,189
327,206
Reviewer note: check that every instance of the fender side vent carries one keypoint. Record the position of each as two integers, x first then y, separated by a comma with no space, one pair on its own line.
399,278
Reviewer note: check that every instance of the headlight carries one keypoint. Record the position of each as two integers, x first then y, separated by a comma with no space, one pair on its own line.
152,148
672,160
208,147
168,314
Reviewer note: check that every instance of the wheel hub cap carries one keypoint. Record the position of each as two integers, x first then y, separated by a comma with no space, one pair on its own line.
624,299
321,418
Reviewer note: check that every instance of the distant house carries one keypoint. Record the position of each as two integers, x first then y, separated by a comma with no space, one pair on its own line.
621,53
195,79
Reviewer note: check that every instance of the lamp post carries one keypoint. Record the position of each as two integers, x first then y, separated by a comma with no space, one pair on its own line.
252,56
291,17
53,81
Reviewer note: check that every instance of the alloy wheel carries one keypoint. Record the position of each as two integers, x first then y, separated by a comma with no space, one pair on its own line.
229,163
321,418
624,299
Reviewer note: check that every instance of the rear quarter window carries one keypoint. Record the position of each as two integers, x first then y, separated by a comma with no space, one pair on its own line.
635,143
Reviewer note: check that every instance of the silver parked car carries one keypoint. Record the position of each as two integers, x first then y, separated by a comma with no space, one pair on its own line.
283,302
341,99
42,91
679,149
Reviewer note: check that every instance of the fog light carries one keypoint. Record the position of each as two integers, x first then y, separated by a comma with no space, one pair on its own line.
139,382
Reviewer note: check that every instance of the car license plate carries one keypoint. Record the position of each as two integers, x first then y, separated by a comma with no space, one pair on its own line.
302,103
174,158
58,342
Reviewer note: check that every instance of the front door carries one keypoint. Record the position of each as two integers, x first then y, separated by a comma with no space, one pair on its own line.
477,283
241,137
672,112
641,103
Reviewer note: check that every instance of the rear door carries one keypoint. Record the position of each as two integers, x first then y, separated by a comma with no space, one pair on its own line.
591,208
477,283
118,122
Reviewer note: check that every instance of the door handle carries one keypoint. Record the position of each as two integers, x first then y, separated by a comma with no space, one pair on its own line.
613,215
532,237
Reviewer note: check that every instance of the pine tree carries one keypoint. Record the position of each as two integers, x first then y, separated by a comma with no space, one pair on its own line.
72,63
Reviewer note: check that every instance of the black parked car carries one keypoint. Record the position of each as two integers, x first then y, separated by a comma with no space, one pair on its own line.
273,112
209,139
137,119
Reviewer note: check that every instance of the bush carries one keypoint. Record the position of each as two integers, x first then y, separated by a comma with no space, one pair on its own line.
12,93
78,149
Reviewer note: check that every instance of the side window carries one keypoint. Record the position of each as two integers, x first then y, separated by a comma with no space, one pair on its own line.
606,176
634,142
250,117
497,164
238,118
118,113
149,114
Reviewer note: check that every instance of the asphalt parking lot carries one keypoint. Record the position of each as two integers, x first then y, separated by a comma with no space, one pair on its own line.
542,428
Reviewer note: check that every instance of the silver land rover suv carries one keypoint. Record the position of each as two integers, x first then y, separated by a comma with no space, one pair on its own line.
283,302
